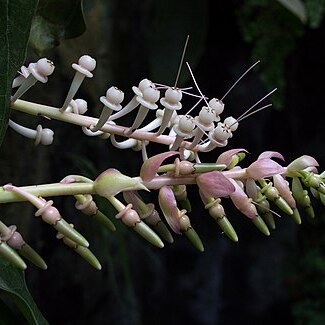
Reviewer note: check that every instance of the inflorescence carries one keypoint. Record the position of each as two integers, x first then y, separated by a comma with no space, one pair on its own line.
252,189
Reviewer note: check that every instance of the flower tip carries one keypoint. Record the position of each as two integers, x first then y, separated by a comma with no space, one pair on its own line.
68,180
147,233
194,238
271,154
8,187
151,165
264,167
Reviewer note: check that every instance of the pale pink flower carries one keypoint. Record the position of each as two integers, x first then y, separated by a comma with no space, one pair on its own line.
270,154
302,163
168,205
284,190
264,167
214,184
242,202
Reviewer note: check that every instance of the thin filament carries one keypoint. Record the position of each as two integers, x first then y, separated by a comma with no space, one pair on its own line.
242,76
182,59
195,83
267,95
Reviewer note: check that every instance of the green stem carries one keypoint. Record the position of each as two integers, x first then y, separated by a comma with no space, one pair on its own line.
117,204
45,190
87,121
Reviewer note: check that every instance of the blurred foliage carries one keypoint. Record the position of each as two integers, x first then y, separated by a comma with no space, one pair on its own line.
315,10
297,7
56,20
274,31
306,281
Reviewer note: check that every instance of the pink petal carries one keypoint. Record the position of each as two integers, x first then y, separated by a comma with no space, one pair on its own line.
264,167
302,163
271,154
242,202
150,166
251,188
225,157
284,190
168,205
214,184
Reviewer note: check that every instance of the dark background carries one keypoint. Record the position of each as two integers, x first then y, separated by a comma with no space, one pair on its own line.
277,279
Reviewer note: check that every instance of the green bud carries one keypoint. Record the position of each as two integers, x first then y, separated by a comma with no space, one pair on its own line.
29,253
322,198
147,233
207,167
104,220
261,225
283,205
302,197
310,212
227,228
163,231
269,219
313,180
68,231
88,256
296,216
11,256
194,238
235,159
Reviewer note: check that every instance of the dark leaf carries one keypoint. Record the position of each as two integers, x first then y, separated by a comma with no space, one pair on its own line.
15,22
13,282
56,20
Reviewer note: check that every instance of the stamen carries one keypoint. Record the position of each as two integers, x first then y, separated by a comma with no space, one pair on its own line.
267,95
252,113
196,85
268,209
181,62
242,76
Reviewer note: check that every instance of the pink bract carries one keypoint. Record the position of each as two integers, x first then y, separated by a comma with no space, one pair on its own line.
214,184
150,166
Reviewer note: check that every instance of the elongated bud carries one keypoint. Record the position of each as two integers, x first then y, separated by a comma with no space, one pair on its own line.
273,195
314,181
131,218
11,256
302,197
217,212
261,225
86,205
149,214
84,252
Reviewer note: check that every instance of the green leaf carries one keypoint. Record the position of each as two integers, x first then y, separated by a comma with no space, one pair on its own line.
296,7
56,20
15,22
13,282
